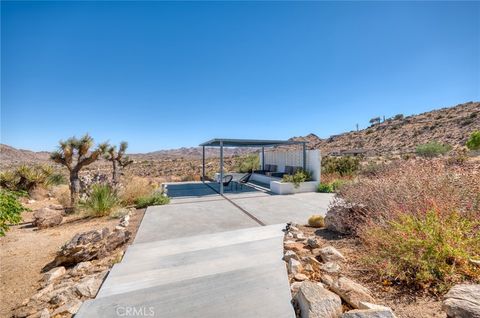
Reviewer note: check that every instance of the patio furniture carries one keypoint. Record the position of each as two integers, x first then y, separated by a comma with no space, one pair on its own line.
244,180
227,180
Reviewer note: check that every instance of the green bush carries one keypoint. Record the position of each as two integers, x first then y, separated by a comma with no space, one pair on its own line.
154,199
429,251
101,201
297,178
473,142
10,210
325,188
330,187
432,149
248,163
344,166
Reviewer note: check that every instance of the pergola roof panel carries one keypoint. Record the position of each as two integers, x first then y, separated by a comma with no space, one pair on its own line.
248,142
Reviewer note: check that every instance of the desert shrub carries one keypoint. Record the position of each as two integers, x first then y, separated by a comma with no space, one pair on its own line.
10,210
62,194
398,117
298,177
344,166
316,221
325,188
431,250
432,149
101,200
26,178
331,187
134,188
248,163
154,199
56,179
431,207
419,185
473,142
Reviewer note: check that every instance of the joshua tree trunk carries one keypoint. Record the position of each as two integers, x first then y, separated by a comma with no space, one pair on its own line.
74,188
115,172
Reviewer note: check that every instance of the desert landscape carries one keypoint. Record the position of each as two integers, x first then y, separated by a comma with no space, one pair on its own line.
394,160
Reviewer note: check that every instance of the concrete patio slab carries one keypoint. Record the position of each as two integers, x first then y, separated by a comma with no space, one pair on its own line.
276,209
189,219
261,291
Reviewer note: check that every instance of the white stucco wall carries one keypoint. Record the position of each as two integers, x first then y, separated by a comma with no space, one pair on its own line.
283,158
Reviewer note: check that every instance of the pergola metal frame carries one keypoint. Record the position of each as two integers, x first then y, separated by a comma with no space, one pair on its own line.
246,143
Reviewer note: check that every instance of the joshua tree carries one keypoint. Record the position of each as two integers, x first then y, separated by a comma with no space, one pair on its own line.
118,159
75,154
375,120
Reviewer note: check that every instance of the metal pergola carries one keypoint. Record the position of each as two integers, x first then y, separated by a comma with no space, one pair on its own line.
247,143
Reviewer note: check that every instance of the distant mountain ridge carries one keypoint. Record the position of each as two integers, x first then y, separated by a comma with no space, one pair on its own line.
452,125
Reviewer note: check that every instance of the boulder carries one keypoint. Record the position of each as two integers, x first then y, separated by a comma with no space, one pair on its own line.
314,301
294,266
350,291
88,287
369,313
344,217
330,267
46,217
295,286
90,245
462,301
330,253
53,274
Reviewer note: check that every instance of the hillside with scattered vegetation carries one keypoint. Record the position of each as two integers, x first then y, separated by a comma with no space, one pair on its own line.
402,134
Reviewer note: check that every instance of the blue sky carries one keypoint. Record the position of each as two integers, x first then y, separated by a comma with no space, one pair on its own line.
165,75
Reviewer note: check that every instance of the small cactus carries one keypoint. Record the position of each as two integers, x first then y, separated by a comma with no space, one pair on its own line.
316,221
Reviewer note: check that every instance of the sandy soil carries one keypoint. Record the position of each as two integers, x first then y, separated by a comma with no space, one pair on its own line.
24,251
405,303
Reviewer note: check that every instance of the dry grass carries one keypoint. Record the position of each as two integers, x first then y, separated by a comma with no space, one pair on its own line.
420,222
135,187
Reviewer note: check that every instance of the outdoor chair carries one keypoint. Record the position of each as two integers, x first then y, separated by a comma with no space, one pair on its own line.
227,180
244,180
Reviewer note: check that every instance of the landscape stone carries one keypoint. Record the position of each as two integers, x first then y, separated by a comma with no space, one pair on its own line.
88,287
94,244
369,313
462,301
344,217
294,266
330,253
330,267
350,291
45,218
290,254
70,307
314,301
54,273
56,207
300,277
295,286
312,242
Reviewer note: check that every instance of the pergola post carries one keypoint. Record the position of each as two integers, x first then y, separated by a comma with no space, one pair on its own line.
263,158
203,163
221,167
304,157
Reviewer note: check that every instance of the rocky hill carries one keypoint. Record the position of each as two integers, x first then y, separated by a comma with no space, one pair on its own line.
402,135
